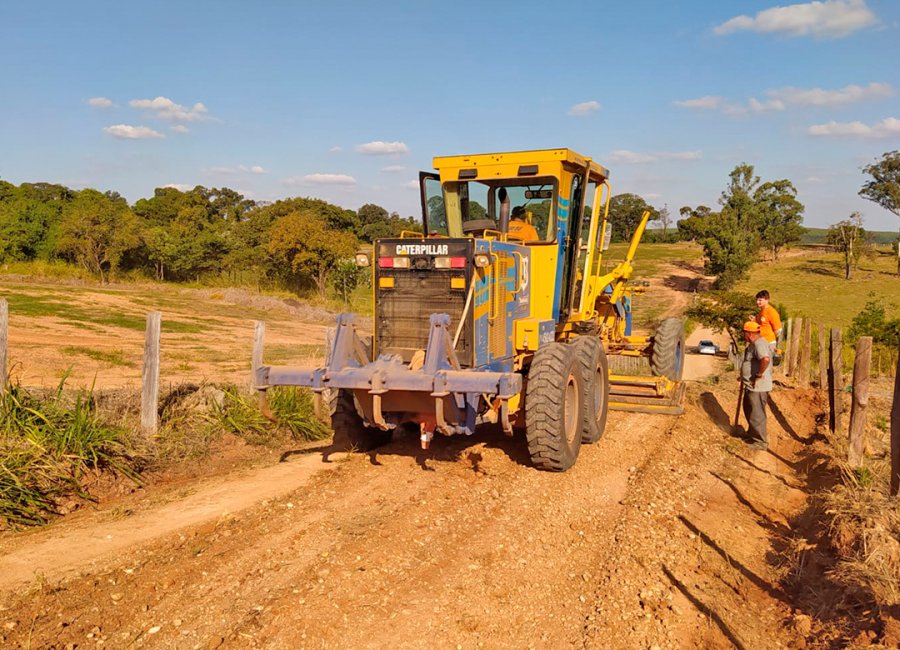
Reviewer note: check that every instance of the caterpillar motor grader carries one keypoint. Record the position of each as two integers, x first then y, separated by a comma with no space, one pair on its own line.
499,311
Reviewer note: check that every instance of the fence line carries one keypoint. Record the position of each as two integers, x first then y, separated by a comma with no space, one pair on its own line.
857,432
150,375
4,344
256,360
895,431
836,380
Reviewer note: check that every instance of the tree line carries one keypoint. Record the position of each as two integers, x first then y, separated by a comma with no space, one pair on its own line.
177,235
305,243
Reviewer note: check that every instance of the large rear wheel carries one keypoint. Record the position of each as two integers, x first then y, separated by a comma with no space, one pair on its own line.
554,407
349,430
592,357
667,353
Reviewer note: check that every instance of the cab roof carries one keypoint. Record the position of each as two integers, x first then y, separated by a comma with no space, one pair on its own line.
516,158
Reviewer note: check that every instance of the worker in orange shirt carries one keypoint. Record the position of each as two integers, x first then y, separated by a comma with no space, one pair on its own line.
768,319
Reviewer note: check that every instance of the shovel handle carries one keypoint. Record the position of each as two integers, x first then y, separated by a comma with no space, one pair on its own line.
740,400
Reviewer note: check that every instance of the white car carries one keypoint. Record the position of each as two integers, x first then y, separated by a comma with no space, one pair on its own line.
707,347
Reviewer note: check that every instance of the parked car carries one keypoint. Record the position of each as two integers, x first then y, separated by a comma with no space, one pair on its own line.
707,347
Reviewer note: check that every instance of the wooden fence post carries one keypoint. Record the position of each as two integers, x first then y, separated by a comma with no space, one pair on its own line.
259,342
823,363
835,381
861,367
4,344
788,328
794,355
805,350
895,431
150,375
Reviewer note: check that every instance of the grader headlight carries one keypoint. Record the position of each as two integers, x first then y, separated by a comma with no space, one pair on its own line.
482,260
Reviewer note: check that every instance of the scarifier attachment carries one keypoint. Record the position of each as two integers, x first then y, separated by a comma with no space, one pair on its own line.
642,394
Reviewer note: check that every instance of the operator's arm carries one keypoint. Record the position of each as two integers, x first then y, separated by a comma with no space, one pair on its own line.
763,364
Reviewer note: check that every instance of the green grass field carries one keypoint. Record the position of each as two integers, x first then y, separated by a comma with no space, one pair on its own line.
818,235
813,285
650,258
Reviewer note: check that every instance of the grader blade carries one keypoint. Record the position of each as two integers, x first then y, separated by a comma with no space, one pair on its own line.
642,394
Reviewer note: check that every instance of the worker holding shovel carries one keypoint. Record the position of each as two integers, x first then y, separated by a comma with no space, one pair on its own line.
756,383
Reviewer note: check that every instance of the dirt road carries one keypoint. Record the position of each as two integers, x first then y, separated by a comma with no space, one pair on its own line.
665,534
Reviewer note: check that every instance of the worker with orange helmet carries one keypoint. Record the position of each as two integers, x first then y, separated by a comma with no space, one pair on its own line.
756,376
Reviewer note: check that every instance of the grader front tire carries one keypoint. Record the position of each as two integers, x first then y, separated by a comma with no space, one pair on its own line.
592,357
350,432
554,407
667,353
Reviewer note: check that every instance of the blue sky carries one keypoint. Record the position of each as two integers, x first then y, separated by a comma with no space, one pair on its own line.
347,101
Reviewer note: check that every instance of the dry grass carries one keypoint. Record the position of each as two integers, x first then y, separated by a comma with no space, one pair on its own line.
864,522
55,444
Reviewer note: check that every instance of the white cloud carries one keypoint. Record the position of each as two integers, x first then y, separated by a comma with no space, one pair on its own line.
181,187
626,157
179,128
411,185
886,128
584,108
754,105
709,102
681,155
814,179
335,149
379,148
630,157
128,132
819,97
392,169
100,102
321,179
165,109
824,19
245,169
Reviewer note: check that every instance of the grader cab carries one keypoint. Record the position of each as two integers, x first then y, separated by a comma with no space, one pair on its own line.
499,311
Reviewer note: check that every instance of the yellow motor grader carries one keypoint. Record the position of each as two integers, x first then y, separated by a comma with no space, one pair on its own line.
498,311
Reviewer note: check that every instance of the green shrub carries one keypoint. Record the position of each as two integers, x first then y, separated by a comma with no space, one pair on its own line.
47,445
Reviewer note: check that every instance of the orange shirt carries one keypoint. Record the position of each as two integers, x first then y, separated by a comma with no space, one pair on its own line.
769,322
523,230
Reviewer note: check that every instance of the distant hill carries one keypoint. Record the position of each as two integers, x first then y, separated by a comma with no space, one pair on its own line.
818,235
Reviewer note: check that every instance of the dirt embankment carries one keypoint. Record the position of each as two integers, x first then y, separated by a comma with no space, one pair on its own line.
667,533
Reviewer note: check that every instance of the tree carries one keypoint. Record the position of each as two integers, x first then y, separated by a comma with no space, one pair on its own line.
723,311
752,215
884,188
625,211
96,231
779,215
29,219
665,219
730,246
849,238
872,321
302,247
694,223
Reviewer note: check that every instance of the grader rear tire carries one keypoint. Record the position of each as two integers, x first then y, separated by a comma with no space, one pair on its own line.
349,431
667,353
592,357
554,407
